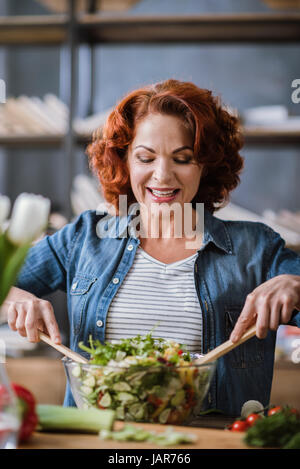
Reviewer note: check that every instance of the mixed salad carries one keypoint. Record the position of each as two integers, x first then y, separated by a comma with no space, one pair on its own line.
142,379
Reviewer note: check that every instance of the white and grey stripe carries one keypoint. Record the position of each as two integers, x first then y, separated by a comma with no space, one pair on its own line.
157,296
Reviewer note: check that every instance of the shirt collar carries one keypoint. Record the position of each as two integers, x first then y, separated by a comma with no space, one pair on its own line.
215,232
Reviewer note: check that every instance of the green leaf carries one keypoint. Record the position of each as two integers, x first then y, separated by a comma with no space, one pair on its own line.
14,257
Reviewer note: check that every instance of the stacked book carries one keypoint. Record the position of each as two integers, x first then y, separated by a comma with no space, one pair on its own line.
35,117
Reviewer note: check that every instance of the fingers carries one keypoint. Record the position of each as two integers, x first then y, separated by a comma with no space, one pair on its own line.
275,317
20,322
51,324
30,317
270,304
245,320
287,310
12,317
263,320
31,322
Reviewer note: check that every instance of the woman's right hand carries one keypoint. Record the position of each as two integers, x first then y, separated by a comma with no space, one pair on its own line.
29,314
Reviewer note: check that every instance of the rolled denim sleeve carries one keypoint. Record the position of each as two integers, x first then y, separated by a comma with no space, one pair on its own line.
46,265
283,261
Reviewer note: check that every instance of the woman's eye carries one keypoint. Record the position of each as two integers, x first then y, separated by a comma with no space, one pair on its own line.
183,161
144,159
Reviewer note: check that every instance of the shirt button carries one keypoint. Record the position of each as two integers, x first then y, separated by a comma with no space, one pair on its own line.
130,247
99,323
74,285
116,280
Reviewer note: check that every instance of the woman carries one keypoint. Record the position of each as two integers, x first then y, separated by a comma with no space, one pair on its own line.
170,144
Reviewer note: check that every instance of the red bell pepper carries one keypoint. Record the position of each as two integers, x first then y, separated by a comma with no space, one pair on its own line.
27,406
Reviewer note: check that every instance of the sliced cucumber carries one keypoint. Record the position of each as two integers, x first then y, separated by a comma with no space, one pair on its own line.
120,413
86,390
89,381
76,371
121,386
126,397
163,417
105,400
137,411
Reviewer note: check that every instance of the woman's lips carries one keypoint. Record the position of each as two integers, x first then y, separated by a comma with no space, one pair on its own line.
163,195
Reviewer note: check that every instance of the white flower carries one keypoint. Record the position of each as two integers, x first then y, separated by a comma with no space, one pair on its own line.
29,218
4,208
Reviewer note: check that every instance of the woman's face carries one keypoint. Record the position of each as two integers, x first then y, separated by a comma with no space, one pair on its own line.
161,161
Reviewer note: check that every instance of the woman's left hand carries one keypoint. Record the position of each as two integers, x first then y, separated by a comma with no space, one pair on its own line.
269,305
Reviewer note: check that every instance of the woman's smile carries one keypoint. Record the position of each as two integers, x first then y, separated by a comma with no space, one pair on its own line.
162,194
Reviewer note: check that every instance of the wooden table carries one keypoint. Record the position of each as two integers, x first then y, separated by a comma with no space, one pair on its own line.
207,438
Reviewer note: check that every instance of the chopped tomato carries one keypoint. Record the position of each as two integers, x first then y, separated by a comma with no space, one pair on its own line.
100,395
239,426
154,400
252,418
294,411
274,410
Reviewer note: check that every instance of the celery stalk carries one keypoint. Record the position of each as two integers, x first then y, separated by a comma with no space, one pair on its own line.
59,418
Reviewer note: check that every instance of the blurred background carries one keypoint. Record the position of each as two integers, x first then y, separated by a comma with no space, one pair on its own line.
66,64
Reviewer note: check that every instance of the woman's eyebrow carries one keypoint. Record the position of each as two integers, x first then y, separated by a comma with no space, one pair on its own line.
147,148
182,148
174,151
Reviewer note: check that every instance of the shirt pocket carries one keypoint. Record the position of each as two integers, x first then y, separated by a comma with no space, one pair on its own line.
247,355
79,293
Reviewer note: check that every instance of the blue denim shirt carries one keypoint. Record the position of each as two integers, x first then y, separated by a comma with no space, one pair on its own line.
235,258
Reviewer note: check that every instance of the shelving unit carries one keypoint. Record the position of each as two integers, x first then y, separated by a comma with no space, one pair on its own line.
253,138
95,28
70,30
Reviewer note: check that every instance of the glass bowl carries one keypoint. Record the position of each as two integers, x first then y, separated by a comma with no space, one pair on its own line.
158,393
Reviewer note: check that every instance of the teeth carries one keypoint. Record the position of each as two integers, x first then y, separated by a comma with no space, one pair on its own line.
161,193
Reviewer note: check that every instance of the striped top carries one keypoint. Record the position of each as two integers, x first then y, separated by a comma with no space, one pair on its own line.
160,296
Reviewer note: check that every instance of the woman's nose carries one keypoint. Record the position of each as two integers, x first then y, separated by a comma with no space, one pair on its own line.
163,170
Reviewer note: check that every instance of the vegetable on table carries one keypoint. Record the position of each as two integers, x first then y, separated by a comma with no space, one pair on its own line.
252,419
274,410
133,433
27,409
239,426
280,428
45,417
59,418
250,407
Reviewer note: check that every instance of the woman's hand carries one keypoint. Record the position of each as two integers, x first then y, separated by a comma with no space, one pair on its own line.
269,305
29,314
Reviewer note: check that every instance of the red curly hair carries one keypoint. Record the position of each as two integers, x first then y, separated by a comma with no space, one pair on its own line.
217,140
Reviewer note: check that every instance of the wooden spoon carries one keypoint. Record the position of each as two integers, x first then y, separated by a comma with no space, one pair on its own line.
209,357
225,347
63,349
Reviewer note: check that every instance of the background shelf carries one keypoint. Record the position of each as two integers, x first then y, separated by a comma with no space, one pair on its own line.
38,30
184,29
252,138
95,28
